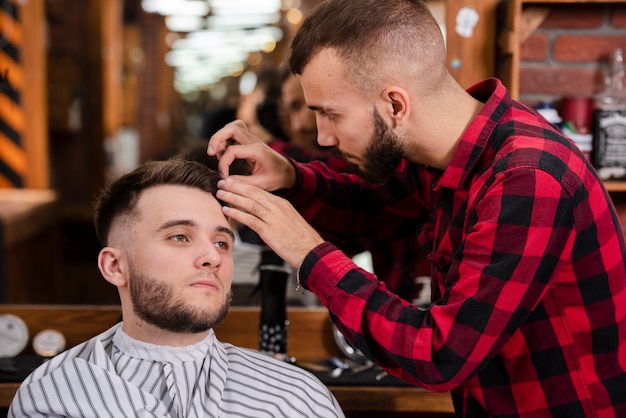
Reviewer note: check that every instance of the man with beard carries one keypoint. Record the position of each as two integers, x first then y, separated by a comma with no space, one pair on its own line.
527,252
167,247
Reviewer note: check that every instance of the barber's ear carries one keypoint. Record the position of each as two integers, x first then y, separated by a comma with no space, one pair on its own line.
112,265
398,103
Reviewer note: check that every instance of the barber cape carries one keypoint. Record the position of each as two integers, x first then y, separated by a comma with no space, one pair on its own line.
113,375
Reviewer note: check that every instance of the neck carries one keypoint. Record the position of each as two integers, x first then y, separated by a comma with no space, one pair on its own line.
443,119
141,330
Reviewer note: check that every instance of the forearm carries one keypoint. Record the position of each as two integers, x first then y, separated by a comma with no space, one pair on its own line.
343,208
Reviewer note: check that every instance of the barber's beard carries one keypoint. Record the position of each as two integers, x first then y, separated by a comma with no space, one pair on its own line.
382,154
154,302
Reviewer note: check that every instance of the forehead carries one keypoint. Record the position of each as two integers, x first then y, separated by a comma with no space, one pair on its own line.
163,202
324,79
324,65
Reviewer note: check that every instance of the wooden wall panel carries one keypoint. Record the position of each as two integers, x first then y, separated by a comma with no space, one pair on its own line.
471,31
34,95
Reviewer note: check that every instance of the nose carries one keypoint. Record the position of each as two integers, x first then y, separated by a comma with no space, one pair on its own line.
325,135
209,256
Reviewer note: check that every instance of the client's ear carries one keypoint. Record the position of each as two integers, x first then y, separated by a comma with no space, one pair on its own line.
112,265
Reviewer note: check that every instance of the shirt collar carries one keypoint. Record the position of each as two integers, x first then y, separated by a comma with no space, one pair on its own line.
472,144
135,348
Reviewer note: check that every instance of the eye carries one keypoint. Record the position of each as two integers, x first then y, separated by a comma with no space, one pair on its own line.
179,238
224,245
327,115
324,114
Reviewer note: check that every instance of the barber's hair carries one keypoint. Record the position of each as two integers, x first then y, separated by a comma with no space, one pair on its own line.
120,197
375,39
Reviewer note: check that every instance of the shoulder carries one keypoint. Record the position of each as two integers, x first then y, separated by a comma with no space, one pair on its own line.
265,366
281,385
43,392
525,141
272,372
83,351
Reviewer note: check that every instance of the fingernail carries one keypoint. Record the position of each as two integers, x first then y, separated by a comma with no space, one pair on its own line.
220,193
220,183
210,150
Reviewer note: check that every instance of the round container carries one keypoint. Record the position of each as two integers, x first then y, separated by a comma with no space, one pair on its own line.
578,110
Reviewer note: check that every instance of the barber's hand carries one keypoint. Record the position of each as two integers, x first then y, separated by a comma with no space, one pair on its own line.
278,223
269,169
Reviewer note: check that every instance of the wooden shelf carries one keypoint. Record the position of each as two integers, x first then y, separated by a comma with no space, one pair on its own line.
615,186
572,1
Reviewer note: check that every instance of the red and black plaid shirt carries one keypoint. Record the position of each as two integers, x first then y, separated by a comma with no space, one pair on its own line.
397,262
528,315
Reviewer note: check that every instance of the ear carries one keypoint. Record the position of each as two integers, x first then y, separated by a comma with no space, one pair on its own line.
111,262
398,103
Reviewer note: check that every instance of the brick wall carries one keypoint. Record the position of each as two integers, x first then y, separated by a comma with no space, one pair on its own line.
568,53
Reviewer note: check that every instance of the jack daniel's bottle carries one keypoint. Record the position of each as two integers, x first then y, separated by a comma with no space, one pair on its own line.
610,124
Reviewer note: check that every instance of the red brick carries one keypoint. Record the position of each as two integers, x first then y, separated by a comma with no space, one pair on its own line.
535,48
574,16
573,48
562,81
618,16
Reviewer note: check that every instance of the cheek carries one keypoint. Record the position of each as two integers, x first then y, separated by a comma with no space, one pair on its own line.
350,139
150,260
228,269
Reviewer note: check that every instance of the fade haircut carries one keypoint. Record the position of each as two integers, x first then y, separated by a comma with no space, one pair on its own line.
377,40
120,197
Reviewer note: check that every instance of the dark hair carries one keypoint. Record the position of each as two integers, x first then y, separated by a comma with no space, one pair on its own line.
214,120
370,34
197,152
120,197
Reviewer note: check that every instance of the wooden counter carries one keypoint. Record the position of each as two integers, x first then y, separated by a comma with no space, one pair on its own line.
30,246
310,337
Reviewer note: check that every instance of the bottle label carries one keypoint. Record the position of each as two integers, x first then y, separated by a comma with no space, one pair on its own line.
610,143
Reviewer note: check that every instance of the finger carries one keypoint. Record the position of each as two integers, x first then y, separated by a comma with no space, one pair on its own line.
246,197
278,224
243,155
243,218
246,157
235,131
224,162
245,210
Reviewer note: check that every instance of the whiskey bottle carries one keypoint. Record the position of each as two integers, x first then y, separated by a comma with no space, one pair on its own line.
610,123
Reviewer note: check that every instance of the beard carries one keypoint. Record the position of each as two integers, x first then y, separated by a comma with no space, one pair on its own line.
154,302
382,154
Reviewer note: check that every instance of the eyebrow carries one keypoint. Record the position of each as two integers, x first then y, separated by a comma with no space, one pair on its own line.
227,231
186,222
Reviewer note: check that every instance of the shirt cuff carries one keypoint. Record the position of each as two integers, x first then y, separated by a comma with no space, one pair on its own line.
289,192
322,269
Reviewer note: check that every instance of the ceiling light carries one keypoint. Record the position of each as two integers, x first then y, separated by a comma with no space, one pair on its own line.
294,16
242,21
179,23
176,7
243,7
